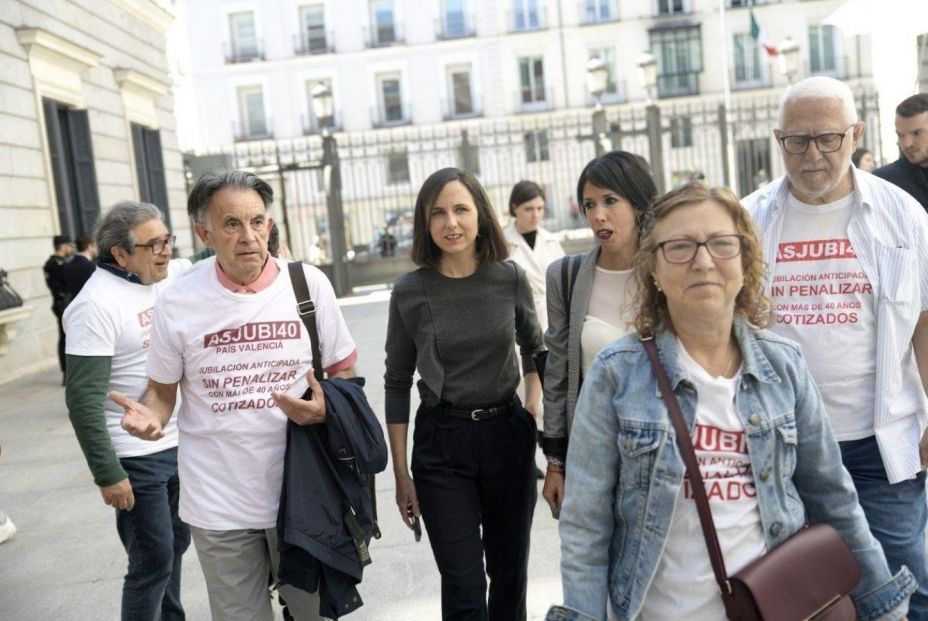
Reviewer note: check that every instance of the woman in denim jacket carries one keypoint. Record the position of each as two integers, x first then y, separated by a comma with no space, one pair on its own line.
631,544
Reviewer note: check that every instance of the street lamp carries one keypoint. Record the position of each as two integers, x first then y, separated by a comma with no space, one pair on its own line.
789,58
647,78
324,109
647,73
597,77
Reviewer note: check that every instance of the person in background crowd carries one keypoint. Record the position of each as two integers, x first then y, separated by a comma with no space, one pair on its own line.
233,322
632,545
848,260
910,171
56,284
108,326
7,528
80,268
863,159
531,246
615,191
456,320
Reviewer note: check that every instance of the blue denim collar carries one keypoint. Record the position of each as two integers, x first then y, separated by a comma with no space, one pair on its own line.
754,363
121,273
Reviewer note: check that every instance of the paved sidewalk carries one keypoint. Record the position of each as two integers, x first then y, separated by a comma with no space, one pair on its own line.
66,562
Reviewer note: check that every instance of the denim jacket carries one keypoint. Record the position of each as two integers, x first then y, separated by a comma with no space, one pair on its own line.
624,472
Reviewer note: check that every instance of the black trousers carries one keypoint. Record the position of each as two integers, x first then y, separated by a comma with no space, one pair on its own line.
473,475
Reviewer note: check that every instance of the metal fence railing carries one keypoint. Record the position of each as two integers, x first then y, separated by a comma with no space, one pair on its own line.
381,170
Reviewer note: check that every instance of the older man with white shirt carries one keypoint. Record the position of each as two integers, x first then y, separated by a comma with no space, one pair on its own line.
848,260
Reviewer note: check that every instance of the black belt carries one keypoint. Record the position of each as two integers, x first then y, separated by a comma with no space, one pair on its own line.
477,413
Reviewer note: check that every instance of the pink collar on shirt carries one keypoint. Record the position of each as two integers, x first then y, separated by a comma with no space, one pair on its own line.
268,274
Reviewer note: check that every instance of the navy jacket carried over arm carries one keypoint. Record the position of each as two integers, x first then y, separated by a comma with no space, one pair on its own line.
325,495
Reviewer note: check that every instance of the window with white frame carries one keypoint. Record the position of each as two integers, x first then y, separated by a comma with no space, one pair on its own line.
391,99
459,83
532,79
253,122
383,22
681,132
671,7
749,69
607,55
526,15
679,60
312,30
243,37
455,18
596,11
315,124
397,167
536,146
823,54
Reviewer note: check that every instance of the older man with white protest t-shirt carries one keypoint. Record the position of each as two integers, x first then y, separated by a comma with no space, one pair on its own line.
848,260
230,336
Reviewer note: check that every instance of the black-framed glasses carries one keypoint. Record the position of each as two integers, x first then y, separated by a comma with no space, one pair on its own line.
684,250
157,246
825,143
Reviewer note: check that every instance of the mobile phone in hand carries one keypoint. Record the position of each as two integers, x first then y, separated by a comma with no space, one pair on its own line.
413,521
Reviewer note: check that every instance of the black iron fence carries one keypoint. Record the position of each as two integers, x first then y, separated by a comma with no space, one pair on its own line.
382,170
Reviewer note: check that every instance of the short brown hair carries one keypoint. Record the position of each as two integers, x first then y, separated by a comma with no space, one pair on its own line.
751,303
491,244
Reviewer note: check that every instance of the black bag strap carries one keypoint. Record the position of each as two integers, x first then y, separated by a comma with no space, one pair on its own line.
307,311
692,468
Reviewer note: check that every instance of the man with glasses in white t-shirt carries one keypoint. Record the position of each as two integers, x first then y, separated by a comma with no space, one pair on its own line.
847,255
108,326
229,335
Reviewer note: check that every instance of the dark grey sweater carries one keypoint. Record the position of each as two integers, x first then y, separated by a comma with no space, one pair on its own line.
460,334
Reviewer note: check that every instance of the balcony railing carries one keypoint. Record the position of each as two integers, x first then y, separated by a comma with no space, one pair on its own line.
452,110
837,70
252,131
306,44
383,36
454,26
598,12
678,84
746,78
534,99
528,21
243,53
311,124
391,116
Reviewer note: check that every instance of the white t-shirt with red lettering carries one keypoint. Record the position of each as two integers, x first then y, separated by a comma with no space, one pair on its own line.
825,302
684,586
230,351
112,317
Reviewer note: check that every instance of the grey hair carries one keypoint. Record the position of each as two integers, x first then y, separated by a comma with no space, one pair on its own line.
114,229
820,87
209,183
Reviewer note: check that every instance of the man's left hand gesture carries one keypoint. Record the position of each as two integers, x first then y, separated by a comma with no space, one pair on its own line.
304,412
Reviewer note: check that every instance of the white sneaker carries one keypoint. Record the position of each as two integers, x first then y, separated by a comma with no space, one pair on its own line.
7,529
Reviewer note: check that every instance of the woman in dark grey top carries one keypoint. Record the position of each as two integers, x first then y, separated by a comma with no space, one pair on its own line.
456,320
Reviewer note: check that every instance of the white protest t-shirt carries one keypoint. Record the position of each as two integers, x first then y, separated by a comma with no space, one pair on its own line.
825,302
230,351
684,586
611,313
112,317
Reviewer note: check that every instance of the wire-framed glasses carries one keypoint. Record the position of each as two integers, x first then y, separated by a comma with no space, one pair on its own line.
157,246
684,250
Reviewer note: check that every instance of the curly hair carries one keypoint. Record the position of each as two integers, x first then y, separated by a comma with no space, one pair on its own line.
751,303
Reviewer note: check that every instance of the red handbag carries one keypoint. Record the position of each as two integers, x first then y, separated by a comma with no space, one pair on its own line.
808,577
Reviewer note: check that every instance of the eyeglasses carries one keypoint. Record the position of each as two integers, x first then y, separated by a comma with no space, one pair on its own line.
684,250
825,143
157,246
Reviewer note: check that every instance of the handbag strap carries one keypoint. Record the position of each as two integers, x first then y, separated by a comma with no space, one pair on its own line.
307,312
696,482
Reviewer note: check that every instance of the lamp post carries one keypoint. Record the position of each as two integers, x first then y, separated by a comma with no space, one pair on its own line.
597,77
647,78
323,108
789,58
